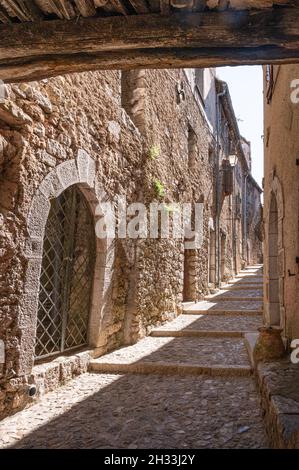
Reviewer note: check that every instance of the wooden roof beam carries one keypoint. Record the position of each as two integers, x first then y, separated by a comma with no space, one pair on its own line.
38,68
275,27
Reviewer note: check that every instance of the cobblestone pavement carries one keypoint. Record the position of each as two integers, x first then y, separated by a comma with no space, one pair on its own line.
153,410
139,411
226,351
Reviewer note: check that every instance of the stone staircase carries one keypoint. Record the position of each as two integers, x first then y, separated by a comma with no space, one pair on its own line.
207,339
187,386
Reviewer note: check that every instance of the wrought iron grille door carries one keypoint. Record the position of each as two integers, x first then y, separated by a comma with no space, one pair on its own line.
66,275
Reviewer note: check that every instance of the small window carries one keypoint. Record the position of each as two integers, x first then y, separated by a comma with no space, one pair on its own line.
199,82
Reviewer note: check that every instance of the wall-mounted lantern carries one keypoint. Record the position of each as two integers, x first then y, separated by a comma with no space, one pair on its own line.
233,159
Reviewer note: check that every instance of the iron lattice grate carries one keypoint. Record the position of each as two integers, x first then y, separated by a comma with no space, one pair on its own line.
66,275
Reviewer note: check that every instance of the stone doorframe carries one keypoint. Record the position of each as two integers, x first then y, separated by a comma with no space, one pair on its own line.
80,171
276,192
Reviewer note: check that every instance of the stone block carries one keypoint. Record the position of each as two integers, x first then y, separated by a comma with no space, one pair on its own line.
12,115
68,174
114,129
37,97
86,167
51,186
46,158
32,276
33,247
56,149
38,214
46,377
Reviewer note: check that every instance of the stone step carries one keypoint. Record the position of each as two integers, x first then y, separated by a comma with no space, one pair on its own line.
163,368
178,355
226,306
233,298
232,287
196,334
258,272
246,270
247,282
235,312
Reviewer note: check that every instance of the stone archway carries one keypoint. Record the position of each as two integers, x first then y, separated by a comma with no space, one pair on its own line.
274,259
81,172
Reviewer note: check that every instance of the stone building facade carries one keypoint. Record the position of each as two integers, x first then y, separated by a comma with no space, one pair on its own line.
281,205
70,143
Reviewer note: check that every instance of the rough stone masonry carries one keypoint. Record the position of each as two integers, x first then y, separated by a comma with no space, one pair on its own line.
110,134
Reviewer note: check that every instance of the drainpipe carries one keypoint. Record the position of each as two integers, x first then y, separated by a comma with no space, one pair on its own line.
218,184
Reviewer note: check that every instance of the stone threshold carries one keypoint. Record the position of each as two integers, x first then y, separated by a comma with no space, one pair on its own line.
197,333
167,368
278,384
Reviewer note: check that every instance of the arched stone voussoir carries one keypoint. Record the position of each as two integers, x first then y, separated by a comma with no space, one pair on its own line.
60,178
67,173
37,216
86,167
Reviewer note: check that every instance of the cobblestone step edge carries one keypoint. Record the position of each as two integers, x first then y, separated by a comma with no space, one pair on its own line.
166,368
197,333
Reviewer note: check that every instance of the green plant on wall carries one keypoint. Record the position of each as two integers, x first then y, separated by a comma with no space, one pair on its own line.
159,188
170,208
154,152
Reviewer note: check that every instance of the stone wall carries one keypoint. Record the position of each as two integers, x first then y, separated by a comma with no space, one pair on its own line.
142,135
281,186
73,130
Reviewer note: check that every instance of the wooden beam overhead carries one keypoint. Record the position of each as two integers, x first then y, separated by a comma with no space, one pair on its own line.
149,40
207,29
38,68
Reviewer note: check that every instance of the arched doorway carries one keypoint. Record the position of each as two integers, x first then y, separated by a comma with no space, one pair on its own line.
274,301
66,275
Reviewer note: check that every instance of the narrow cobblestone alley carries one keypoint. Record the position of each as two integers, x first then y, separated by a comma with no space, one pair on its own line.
188,385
